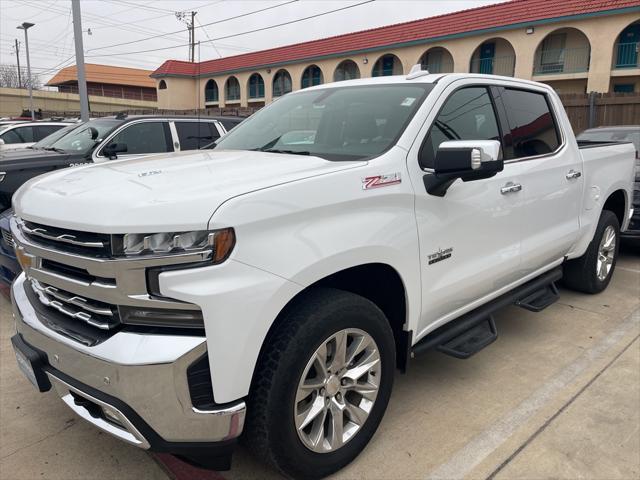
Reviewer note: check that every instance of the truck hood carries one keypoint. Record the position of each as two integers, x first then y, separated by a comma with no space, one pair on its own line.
176,192
20,158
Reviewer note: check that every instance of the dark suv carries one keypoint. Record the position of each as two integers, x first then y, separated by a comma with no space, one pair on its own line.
107,138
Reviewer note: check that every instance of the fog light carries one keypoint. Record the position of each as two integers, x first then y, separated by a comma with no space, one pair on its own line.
160,317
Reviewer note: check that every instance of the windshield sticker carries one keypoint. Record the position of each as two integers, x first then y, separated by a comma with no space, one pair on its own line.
407,102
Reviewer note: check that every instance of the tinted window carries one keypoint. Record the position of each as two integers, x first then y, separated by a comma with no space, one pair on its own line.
145,137
228,124
533,129
42,131
18,135
345,123
195,135
466,115
84,138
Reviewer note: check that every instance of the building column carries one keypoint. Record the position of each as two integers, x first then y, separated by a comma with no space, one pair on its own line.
600,66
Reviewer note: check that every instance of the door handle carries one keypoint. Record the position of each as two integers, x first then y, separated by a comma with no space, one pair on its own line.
571,174
510,187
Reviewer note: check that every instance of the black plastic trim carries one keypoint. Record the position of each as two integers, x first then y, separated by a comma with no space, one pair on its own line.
455,327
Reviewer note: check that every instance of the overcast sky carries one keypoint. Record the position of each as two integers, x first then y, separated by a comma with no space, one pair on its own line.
118,21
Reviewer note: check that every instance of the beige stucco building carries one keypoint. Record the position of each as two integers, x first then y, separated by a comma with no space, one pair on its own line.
575,46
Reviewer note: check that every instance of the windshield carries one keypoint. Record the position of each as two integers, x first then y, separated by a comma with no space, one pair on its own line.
50,139
627,135
343,123
85,137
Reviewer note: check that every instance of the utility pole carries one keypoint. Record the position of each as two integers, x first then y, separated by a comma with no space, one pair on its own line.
182,16
82,80
18,62
193,36
26,26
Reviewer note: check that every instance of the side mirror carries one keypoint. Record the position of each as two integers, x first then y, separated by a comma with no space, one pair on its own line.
1,141
113,149
465,159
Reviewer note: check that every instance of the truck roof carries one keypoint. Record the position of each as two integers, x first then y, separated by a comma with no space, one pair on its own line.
419,77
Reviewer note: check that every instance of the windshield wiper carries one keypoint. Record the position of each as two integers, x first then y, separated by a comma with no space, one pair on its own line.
292,152
54,149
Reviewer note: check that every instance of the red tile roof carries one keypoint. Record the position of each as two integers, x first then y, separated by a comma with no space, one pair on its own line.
457,23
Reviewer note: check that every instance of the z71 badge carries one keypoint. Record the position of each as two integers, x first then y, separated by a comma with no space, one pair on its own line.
378,181
440,255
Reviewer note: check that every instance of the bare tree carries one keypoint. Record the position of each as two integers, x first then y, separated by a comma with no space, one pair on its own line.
9,78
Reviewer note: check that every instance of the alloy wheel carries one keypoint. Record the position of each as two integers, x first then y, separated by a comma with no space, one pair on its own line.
337,390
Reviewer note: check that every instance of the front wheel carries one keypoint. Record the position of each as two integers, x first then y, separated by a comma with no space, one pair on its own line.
322,384
592,272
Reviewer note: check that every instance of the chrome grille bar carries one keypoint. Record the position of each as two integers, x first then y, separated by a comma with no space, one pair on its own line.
54,298
64,238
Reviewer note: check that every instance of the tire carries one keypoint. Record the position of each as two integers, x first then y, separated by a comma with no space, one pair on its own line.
582,273
271,430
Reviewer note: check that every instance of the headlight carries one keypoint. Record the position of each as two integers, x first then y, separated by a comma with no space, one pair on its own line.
219,242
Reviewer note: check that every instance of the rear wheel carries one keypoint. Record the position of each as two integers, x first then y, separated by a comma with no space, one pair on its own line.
322,384
592,272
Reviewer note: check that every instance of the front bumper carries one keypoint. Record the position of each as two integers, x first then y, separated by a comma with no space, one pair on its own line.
140,380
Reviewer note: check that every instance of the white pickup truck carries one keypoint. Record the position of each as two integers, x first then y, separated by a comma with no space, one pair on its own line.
271,287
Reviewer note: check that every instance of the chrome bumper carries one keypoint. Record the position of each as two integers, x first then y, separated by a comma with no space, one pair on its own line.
145,373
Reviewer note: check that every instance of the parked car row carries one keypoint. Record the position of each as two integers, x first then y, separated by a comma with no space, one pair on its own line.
105,139
24,134
272,286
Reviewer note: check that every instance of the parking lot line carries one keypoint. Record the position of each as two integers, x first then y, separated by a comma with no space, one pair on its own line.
486,442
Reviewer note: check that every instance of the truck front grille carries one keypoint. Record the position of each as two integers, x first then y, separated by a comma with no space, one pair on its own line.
97,314
8,238
73,241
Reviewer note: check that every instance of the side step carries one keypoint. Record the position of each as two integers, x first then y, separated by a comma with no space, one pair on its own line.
541,299
476,329
472,340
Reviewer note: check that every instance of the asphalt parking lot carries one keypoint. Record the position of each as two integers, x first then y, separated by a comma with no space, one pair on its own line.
556,396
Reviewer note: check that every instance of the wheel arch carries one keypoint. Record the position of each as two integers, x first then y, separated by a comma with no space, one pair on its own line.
378,282
617,204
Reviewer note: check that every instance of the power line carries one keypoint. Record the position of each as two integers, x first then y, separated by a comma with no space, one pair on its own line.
236,34
201,26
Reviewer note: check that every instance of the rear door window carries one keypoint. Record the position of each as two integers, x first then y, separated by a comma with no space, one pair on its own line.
196,135
145,137
43,131
18,135
533,126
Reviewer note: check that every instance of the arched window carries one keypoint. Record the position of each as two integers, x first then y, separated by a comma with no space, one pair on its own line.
162,85
211,91
437,60
232,89
494,57
281,83
311,76
386,65
346,70
256,86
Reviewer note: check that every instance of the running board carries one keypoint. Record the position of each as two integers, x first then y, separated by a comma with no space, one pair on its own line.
476,329
538,301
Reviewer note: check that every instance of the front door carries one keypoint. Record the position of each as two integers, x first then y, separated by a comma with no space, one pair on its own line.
470,238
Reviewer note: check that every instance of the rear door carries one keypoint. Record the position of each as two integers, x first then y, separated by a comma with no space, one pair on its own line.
551,176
